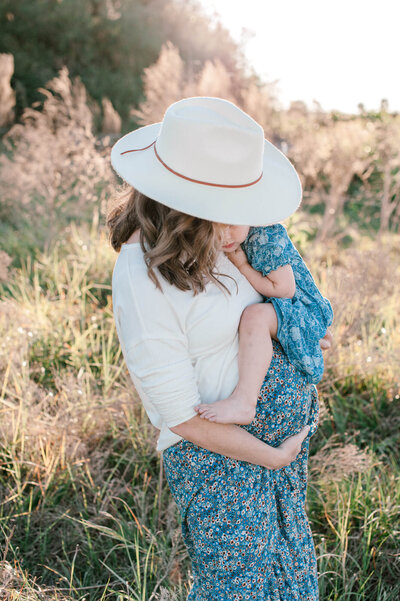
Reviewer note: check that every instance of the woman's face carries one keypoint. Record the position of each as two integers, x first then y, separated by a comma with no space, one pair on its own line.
232,236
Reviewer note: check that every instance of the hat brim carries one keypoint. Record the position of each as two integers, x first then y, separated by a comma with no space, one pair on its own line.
273,198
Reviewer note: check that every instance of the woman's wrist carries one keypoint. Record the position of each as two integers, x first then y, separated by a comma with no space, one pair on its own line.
274,458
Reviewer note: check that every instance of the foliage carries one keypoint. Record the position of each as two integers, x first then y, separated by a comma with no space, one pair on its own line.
331,154
170,79
107,43
55,170
7,94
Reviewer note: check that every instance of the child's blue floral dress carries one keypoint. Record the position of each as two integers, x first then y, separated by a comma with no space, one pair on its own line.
303,319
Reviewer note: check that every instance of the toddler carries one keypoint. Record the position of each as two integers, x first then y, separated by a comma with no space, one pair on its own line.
294,313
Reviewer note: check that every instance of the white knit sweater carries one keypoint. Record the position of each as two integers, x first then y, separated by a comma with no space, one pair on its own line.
180,348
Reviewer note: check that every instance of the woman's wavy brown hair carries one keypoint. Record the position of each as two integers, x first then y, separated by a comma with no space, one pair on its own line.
183,248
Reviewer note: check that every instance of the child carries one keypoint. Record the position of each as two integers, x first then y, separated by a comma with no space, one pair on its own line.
294,313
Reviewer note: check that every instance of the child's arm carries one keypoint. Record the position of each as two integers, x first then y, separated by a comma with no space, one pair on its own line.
278,284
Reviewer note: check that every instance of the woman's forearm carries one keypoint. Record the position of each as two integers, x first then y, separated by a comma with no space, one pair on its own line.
235,442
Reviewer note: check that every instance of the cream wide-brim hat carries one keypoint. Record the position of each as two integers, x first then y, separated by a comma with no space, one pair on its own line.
209,159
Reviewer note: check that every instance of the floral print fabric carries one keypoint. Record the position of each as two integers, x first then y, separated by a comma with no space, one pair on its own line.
303,319
245,526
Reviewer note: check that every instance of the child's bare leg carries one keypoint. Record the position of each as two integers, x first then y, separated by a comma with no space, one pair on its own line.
258,326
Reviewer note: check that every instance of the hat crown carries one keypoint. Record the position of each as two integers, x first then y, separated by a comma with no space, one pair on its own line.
209,159
211,140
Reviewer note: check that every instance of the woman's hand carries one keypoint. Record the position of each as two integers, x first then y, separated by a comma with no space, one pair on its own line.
289,449
237,257
326,341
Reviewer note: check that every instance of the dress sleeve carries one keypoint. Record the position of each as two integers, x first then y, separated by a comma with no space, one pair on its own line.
162,369
268,248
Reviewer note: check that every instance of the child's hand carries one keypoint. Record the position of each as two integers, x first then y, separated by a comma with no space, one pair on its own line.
326,341
237,257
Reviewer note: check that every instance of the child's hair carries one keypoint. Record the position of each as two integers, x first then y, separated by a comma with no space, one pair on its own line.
183,248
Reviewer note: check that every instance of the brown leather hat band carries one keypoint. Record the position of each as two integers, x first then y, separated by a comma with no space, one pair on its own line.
196,181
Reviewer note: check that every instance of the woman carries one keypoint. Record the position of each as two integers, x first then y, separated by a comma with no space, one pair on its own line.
202,173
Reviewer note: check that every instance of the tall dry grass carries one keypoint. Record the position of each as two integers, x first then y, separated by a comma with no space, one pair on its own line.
55,169
363,283
169,80
7,94
77,450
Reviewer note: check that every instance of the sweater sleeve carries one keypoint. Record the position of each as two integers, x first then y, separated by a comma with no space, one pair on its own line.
155,330
268,248
162,369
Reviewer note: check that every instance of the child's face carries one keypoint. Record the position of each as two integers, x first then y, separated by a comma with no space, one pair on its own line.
232,236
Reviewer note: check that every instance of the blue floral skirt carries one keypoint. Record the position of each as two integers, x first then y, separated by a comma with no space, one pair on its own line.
245,526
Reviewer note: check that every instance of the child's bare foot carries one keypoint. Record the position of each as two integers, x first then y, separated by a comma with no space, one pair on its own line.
233,410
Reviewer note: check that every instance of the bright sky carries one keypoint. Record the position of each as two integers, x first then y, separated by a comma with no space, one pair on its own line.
338,52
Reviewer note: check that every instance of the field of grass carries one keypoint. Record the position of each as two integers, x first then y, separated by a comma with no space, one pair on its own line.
85,511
